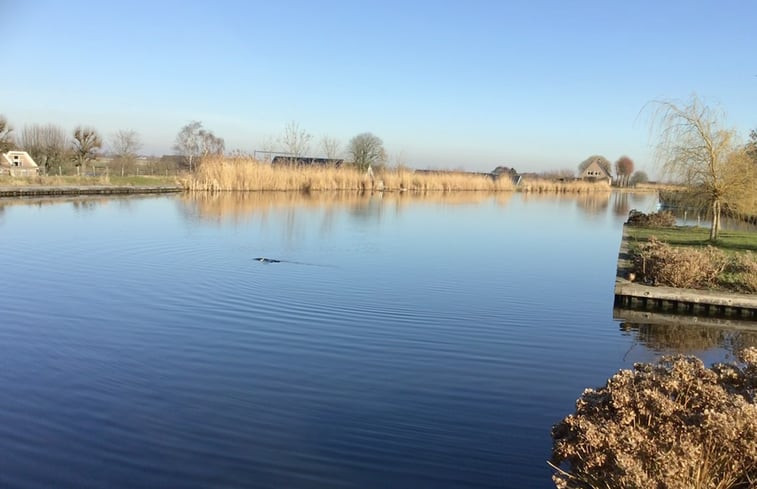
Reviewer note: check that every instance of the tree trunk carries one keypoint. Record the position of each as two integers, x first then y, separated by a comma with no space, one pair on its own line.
715,228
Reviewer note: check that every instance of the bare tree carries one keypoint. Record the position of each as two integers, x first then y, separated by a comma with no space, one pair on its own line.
330,147
7,142
366,150
601,160
125,144
623,169
295,141
210,144
46,144
694,149
85,145
188,142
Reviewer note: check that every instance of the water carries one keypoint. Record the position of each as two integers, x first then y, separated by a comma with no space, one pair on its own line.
402,342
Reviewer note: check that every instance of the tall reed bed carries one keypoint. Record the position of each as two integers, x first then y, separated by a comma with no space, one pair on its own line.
544,185
224,174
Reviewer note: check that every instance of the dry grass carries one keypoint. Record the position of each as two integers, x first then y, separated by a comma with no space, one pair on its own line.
245,174
543,185
674,425
659,263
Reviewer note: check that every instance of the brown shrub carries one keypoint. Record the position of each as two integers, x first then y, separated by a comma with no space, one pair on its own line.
659,263
673,425
661,219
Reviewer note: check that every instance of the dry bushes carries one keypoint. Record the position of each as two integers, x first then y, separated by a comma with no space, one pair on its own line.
661,219
673,425
659,263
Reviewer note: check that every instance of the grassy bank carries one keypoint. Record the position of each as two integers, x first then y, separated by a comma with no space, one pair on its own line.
695,237
684,257
73,181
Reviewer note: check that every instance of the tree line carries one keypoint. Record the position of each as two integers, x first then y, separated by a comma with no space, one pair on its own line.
54,150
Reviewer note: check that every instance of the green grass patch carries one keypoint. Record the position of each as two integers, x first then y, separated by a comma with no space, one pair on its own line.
143,181
729,241
70,180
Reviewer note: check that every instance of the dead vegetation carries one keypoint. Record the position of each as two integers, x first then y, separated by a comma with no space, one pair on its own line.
659,263
661,219
246,174
672,425
546,185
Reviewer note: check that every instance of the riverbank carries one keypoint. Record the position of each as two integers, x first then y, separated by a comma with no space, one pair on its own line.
729,279
40,186
42,191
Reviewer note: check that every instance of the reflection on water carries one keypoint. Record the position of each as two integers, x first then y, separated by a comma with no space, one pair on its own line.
691,338
239,206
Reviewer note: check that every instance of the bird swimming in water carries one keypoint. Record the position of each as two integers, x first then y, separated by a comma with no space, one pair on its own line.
267,260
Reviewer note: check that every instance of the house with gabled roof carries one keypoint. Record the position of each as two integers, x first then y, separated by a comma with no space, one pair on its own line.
595,172
18,164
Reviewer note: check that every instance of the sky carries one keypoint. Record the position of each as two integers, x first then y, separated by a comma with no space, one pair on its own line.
535,85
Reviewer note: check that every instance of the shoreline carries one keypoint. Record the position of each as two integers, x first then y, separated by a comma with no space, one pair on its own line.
672,300
71,190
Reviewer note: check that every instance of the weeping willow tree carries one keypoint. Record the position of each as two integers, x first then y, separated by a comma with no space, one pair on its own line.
696,150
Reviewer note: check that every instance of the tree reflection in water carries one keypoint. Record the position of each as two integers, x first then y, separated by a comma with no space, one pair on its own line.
689,338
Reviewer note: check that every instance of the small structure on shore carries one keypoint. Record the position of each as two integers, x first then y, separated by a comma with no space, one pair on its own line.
505,172
18,164
306,161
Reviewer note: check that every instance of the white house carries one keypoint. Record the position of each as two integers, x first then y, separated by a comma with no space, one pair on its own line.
18,164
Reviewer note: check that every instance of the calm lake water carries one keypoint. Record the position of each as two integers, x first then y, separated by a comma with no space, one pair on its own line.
402,342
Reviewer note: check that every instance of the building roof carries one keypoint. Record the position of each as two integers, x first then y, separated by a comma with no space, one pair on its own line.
22,157
304,160
594,166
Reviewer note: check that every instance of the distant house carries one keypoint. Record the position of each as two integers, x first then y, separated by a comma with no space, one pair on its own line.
18,164
306,161
595,172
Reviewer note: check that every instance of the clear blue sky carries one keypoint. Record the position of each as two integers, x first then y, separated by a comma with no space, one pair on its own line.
532,84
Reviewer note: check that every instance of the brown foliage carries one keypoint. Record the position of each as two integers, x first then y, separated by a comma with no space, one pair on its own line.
659,263
662,219
673,425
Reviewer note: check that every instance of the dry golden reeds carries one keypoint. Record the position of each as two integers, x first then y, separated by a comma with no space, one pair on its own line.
545,185
227,174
